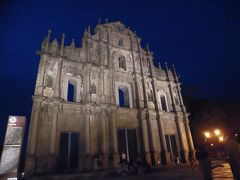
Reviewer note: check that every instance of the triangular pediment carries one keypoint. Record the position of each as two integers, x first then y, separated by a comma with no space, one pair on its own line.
118,26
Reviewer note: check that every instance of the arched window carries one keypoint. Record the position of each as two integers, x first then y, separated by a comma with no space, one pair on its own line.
93,89
48,81
71,91
122,62
123,95
163,102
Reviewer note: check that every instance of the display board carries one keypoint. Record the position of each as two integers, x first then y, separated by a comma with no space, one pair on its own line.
12,147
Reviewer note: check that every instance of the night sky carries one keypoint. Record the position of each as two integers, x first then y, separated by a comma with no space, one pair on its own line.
202,39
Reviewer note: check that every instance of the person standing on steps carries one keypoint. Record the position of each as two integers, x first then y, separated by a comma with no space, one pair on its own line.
232,148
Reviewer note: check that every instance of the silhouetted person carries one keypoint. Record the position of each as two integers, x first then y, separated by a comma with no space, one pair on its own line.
204,162
233,151
123,158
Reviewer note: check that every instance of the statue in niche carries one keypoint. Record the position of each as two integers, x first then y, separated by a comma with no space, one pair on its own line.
49,81
120,42
51,73
150,95
93,89
121,62
177,100
81,91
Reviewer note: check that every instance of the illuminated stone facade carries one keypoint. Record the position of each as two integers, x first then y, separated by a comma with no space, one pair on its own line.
119,102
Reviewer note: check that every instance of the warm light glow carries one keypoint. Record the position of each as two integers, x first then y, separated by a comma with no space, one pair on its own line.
211,144
217,132
221,139
207,134
236,134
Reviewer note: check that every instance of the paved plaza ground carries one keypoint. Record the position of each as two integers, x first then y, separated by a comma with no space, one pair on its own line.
221,171
186,173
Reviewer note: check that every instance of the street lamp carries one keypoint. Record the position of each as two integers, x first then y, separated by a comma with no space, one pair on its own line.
217,132
207,134
221,139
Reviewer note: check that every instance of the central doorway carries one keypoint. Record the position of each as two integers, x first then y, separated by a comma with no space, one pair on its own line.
127,143
68,154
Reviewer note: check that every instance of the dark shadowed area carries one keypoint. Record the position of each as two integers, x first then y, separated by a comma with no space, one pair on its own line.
201,38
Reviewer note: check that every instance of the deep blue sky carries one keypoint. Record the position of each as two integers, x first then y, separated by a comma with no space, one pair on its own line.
202,39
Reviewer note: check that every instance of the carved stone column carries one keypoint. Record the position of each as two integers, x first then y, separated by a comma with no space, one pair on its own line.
145,133
114,158
53,134
87,150
104,130
183,151
86,83
189,135
102,85
30,162
165,156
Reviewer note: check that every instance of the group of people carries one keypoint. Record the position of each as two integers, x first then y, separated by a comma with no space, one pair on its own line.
133,167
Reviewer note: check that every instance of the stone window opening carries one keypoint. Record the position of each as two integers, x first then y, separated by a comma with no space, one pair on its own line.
71,90
163,102
122,62
93,89
49,81
123,97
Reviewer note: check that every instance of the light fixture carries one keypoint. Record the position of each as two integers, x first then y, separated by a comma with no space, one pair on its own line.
207,134
217,132
221,138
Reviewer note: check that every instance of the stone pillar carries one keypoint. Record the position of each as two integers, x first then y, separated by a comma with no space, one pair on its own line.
30,162
165,156
112,88
53,134
87,83
185,115
62,45
116,157
104,130
189,136
87,165
183,152
102,85
146,137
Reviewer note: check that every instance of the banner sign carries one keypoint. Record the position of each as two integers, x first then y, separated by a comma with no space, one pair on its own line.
12,147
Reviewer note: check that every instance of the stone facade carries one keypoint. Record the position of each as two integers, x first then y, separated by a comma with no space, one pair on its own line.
117,93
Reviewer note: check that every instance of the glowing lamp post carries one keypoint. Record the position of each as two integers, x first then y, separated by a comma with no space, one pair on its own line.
221,139
207,134
217,132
